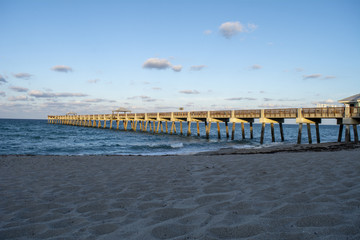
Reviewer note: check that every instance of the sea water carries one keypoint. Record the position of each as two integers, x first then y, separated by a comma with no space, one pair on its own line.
37,137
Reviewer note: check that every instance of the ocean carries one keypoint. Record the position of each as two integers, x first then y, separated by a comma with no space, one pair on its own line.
37,137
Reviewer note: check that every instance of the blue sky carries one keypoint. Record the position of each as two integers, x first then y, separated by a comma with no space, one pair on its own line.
149,56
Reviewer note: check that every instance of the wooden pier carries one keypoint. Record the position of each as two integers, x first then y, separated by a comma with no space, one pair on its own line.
165,121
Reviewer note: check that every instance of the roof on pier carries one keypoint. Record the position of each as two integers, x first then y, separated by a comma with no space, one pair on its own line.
351,99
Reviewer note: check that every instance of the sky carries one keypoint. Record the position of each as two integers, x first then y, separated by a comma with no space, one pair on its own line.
92,57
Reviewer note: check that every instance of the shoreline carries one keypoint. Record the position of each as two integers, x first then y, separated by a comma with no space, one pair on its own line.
328,146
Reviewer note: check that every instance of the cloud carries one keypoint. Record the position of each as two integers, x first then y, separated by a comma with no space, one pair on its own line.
156,88
2,79
25,76
327,102
229,29
329,77
93,80
299,69
97,100
252,27
176,68
160,64
312,76
241,98
143,98
157,63
40,94
2,94
62,68
197,67
19,89
256,67
207,32
270,105
189,92
18,98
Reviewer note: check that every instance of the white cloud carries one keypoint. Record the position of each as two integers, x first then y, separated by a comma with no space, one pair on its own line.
143,98
62,68
40,94
251,27
207,32
229,29
329,77
93,80
160,64
189,91
312,76
241,98
176,68
2,94
18,98
19,89
156,63
2,79
197,67
256,67
23,75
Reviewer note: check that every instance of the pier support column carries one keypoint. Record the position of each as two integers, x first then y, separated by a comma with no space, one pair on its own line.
218,129
125,123
181,128
317,132
347,134
272,132
207,129
158,127
356,137
341,127
243,130
189,128
281,132
262,133
198,128
166,127
117,124
233,131
299,133
309,133
227,129
251,131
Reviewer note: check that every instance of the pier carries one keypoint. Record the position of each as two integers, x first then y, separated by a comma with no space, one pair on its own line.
165,121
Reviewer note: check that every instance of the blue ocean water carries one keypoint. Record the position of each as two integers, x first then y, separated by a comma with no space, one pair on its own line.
37,137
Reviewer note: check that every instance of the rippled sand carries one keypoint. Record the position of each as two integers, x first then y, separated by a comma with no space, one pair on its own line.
288,195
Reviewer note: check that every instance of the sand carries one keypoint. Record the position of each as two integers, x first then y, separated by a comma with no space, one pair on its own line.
286,195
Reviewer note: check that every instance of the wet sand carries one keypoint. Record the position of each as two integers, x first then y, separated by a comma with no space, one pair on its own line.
305,194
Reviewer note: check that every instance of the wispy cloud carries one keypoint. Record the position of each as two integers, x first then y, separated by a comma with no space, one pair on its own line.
18,98
312,76
19,89
41,94
270,105
251,27
2,79
62,68
256,67
189,92
160,64
156,88
143,98
197,67
177,68
25,76
241,98
2,94
207,32
329,77
93,80
97,100
299,69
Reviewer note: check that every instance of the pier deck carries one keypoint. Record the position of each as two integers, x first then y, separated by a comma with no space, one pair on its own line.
344,115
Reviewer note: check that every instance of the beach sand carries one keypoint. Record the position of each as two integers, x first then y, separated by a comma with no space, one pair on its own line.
284,195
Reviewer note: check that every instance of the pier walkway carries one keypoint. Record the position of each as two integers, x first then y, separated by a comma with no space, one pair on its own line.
348,116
